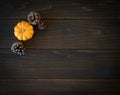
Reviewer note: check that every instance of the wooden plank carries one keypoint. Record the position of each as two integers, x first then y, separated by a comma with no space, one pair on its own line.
61,9
60,64
103,35
59,86
67,34
12,9
83,9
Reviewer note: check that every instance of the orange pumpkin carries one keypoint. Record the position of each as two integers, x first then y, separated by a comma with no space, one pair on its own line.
23,30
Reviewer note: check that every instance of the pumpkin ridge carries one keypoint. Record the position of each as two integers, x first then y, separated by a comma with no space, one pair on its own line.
29,28
24,37
30,34
20,36
27,35
26,25
17,27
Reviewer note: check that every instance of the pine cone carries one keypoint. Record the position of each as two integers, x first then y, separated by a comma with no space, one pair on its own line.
41,25
18,48
34,18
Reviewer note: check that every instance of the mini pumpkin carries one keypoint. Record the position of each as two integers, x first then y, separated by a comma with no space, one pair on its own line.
23,31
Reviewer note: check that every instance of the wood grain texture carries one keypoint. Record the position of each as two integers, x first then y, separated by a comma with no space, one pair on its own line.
62,9
83,9
67,34
60,64
59,87
16,9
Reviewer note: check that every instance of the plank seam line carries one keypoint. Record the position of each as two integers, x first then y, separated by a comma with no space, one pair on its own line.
66,78
67,49
65,19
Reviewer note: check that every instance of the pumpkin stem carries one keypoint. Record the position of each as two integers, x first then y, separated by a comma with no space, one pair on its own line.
23,30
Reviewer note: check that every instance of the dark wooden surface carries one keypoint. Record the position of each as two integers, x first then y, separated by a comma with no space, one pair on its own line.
59,87
78,53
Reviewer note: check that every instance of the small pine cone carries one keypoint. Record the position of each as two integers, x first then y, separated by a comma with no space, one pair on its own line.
18,48
41,25
34,18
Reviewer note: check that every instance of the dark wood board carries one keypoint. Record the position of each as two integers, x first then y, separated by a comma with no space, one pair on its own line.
14,9
83,9
60,64
67,34
62,9
59,87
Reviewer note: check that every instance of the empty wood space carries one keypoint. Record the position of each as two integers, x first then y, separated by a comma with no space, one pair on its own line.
77,54
59,87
